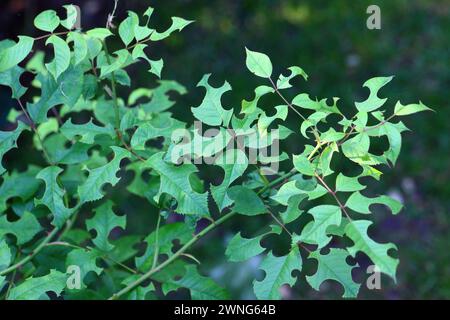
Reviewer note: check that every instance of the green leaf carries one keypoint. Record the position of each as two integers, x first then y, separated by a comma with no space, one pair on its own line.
234,163
378,253
57,92
80,48
47,21
331,136
155,65
122,57
72,16
210,111
11,78
258,63
53,196
278,272
250,107
302,165
348,184
361,204
356,149
141,292
86,132
8,141
246,201
23,229
175,182
127,26
201,288
333,266
62,56
155,128
56,146
403,110
284,82
315,232
167,235
241,249
91,189
103,222
178,24
86,260
15,53
373,102
99,33
303,100
35,288
5,256
160,98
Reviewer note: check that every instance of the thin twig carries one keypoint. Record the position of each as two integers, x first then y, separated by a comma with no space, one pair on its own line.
38,249
285,100
175,256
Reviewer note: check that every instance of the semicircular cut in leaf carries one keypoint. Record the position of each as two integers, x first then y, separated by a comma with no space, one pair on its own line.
47,20
35,288
57,92
103,222
283,82
8,141
361,204
22,185
14,53
234,163
86,131
377,252
348,184
91,189
200,287
53,195
178,24
251,107
86,260
80,48
175,182
258,63
241,249
333,266
246,201
315,232
72,16
11,78
278,272
61,60
23,229
210,111
127,26
373,102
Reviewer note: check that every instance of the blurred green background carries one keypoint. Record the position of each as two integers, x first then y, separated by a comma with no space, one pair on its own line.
330,41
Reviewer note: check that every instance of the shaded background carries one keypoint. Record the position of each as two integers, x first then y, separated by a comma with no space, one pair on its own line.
330,41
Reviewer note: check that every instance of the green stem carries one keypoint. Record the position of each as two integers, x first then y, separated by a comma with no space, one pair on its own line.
290,173
152,271
155,257
32,255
